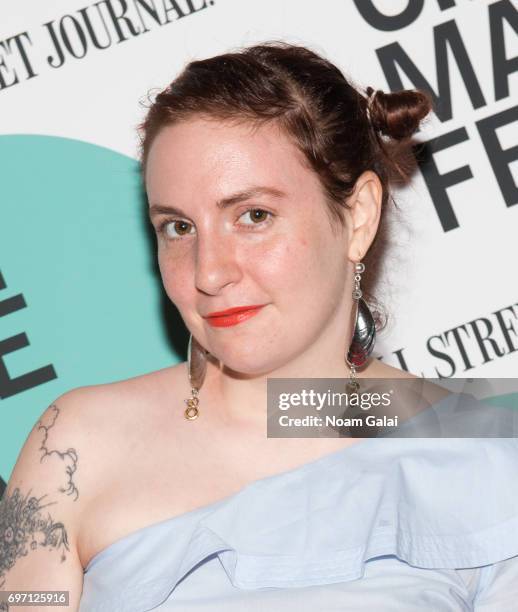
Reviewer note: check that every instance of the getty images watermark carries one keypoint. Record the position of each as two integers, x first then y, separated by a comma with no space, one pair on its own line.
316,400
408,407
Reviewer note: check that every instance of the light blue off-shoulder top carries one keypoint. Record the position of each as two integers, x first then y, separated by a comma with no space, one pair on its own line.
386,525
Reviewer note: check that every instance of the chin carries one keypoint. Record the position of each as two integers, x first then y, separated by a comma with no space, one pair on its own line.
246,363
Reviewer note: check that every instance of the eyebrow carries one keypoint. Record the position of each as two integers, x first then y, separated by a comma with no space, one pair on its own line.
235,198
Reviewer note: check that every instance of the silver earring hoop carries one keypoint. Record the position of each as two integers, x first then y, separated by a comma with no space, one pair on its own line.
364,331
197,368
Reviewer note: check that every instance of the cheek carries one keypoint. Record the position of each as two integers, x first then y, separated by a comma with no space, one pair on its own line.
275,263
176,277
290,266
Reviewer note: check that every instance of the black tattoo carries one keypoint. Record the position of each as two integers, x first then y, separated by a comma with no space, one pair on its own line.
24,527
70,456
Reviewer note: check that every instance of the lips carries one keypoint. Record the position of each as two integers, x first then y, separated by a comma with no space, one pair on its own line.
228,311
232,316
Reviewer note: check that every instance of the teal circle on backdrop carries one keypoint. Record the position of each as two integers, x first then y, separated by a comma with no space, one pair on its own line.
75,243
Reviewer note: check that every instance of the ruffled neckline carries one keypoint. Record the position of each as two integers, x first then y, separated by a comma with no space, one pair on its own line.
430,502
449,401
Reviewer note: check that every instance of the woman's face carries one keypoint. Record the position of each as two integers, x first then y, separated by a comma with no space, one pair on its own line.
249,227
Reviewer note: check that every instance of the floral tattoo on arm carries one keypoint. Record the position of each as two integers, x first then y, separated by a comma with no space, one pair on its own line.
25,524
69,457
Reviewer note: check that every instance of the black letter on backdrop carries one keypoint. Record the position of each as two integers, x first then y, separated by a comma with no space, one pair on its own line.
80,36
502,67
6,45
3,83
482,340
50,27
122,17
174,7
150,10
388,23
193,9
445,34
11,386
401,358
440,355
507,326
500,159
438,183
91,29
23,53
460,344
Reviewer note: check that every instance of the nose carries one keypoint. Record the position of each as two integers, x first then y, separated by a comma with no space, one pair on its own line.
215,264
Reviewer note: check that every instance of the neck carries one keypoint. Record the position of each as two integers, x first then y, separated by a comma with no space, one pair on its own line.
242,398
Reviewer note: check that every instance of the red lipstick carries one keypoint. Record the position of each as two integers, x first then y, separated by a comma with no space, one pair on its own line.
232,316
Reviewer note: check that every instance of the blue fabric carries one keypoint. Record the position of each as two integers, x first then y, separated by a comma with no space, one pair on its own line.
395,524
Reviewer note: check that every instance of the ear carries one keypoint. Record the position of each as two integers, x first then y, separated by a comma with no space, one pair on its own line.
363,214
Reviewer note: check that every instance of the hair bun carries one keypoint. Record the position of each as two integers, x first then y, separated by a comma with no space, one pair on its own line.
397,114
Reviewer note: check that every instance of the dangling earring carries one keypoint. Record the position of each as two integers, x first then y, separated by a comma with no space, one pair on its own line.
364,333
197,367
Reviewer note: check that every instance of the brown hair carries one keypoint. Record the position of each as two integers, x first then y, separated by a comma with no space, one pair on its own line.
340,132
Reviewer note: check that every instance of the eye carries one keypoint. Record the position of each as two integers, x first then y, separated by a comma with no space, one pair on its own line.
257,215
181,228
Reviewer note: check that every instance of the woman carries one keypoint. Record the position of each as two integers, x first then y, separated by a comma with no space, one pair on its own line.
267,178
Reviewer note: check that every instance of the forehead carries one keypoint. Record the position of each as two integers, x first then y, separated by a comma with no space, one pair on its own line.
214,158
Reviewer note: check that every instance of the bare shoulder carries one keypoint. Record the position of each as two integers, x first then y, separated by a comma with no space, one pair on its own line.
80,428
78,447
378,369
108,418
430,391
104,411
